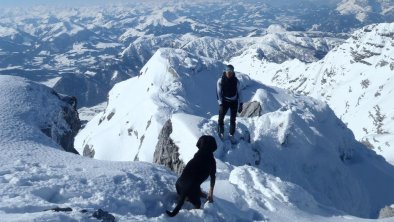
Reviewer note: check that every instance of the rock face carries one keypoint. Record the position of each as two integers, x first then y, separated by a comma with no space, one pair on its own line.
88,151
386,212
251,109
166,152
70,114
103,216
62,136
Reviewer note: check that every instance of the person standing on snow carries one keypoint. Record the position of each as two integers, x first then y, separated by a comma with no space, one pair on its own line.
229,97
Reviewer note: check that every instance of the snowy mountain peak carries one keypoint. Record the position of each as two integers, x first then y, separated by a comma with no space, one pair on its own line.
171,81
364,10
360,8
355,79
296,138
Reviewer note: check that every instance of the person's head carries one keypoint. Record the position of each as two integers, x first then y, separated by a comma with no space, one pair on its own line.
229,71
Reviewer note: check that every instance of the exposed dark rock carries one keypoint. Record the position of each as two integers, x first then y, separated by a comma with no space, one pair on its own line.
365,83
166,152
61,209
64,135
88,151
378,119
110,115
103,215
386,212
358,57
367,143
70,114
251,109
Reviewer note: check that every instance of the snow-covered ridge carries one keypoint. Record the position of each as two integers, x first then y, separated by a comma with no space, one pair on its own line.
355,79
297,138
172,81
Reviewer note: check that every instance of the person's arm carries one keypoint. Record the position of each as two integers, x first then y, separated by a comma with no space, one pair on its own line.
219,91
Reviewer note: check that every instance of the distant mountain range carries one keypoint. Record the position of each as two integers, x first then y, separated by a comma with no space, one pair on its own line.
84,51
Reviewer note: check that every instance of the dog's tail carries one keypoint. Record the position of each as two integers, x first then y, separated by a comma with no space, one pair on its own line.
178,207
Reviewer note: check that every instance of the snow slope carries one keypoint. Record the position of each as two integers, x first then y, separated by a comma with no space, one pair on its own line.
355,79
35,177
151,98
297,139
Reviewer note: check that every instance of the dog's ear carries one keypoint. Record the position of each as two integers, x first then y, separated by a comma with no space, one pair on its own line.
207,142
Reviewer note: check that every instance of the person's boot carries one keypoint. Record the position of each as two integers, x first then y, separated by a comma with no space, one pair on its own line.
220,132
232,130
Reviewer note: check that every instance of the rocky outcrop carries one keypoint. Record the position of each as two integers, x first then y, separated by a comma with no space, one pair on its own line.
64,134
166,152
70,114
386,212
103,216
251,109
88,151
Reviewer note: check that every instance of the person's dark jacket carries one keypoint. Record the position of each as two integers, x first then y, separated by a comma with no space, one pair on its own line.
228,89
196,171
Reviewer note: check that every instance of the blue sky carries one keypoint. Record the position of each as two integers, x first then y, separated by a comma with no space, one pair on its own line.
29,3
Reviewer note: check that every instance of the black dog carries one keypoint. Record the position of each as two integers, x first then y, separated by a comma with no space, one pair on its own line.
195,173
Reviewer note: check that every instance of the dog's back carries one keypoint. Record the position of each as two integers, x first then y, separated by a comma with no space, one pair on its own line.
199,168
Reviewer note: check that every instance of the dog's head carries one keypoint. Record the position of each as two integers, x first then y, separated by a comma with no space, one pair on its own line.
207,143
